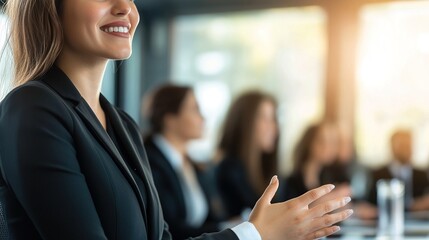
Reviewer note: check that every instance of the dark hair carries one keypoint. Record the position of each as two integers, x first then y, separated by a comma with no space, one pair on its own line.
303,149
238,141
167,99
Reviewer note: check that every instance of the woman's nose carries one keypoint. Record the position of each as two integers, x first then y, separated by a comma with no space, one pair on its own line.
121,7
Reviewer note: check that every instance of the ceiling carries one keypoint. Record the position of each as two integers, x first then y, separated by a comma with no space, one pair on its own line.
154,7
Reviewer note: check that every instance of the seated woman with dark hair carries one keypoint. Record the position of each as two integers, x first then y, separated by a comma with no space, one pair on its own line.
316,149
175,119
247,150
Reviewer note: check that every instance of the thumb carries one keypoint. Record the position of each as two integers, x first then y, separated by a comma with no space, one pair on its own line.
270,191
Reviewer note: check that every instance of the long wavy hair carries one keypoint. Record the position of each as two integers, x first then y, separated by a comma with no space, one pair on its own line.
238,139
36,36
304,148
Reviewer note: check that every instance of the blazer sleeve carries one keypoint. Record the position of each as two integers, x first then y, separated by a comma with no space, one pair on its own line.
41,167
178,227
224,235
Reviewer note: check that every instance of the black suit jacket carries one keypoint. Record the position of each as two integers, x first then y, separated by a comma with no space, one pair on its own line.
235,188
170,191
63,177
294,186
420,182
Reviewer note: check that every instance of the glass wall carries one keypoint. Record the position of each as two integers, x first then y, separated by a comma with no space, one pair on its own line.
280,51
392,84
6,63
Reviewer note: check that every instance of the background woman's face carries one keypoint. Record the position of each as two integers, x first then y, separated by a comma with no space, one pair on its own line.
266,126
324,148
99,29
188,123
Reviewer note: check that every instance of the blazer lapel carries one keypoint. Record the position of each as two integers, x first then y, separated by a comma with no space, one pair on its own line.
59,82
97,130
134,158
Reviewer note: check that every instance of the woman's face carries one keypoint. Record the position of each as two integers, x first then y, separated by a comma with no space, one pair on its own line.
188,124
99,28
324,148
266,126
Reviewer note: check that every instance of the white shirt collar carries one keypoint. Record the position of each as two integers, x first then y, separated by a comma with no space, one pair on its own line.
172,155
400,171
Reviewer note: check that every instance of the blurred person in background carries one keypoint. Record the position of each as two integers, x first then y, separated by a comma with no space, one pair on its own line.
316,149
340,170
247,151
346,171
416,182
175,120
73,166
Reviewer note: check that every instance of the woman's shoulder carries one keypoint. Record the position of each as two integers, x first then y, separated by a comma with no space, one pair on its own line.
153,151
31,99
229,161
231,167
32,90
295,179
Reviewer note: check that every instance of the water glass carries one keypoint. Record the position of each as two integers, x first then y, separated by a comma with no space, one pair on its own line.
390,200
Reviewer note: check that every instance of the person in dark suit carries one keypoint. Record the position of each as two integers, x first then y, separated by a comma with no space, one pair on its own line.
347,171
416,182
247,151
72,165
175,120
316,149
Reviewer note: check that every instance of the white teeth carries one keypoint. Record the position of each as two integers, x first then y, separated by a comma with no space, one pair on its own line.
117,29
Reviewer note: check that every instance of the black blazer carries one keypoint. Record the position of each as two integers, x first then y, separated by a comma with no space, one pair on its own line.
234,187
63,177
170,192
420,182
294,186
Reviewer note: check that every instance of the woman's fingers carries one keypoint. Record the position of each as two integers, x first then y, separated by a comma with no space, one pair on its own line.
323,225
324,232
329,219
327,207
311,196
269,192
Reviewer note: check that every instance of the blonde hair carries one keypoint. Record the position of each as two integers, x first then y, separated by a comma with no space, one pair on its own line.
36,36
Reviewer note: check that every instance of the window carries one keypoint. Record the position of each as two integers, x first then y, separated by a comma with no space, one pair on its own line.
392,85
6,62
280,51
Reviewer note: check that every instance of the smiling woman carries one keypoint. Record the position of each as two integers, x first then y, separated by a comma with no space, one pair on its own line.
73,166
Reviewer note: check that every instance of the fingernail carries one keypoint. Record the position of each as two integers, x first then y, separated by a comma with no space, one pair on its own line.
273,179
349,212
347,200
336,229
331,187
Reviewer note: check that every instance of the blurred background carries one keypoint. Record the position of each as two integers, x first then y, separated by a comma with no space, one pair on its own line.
361,63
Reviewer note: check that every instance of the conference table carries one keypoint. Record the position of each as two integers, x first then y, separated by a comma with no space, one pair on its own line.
416,226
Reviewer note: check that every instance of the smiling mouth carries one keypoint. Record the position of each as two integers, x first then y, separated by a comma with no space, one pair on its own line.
116,29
